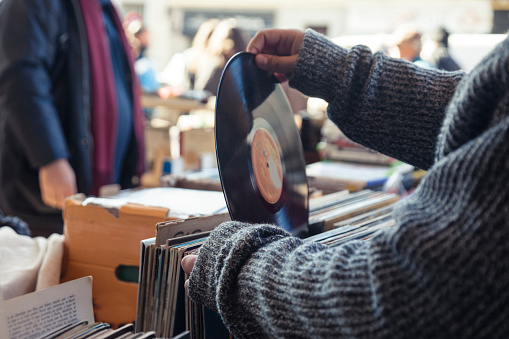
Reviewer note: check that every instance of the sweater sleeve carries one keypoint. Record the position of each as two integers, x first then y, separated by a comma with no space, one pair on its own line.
441,272
386,104
266,283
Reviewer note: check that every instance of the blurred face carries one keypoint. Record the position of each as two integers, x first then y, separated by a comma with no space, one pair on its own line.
143,38
408,51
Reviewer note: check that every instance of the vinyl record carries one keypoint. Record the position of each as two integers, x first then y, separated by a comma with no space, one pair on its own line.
258,147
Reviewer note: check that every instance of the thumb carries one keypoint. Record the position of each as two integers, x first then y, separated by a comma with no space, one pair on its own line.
277,64
188,263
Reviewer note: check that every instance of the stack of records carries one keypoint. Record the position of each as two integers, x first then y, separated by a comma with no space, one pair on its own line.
338,147
360,227
327,212
100,330
162,303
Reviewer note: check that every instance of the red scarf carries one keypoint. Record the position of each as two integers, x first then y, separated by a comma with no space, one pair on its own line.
104,106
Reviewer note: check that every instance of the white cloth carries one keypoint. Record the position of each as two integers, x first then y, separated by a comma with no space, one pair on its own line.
28,264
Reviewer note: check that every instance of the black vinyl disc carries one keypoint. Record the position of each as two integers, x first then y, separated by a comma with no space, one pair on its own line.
258,148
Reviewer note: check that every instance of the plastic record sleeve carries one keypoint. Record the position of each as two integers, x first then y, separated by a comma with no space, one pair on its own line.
258,148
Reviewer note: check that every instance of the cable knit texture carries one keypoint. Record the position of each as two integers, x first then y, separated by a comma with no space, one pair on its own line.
443,271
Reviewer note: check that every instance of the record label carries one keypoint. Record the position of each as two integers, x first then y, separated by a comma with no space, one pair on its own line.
266,166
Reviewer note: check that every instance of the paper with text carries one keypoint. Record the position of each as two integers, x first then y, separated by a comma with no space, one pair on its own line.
37,314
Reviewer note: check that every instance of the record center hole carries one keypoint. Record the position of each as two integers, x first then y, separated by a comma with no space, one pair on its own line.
127,273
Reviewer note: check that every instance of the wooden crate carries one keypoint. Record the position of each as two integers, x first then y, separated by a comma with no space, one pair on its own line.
98,242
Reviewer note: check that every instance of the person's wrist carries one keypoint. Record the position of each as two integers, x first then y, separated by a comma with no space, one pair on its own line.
203,278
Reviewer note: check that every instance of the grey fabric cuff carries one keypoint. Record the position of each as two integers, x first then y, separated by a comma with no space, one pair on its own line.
222,257
319,59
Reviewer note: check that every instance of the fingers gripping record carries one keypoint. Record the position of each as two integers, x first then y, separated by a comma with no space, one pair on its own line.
277,50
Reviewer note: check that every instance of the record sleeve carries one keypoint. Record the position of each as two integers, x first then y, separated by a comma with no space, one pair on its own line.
258,147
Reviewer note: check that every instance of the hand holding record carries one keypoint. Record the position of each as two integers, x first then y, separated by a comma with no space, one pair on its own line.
277,50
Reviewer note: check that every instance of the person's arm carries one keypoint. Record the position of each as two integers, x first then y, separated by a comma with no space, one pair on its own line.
437,273
31,37
389,105
30,40
57,181
266,283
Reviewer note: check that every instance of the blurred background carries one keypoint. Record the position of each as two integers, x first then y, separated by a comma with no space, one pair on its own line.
182,46
474,25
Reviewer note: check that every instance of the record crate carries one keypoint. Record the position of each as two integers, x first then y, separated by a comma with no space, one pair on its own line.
104,242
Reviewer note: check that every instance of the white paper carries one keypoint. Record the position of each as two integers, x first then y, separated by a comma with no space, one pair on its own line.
347,171
37,314
178,201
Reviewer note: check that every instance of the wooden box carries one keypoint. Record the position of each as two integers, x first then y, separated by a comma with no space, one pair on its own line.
104,243
102,239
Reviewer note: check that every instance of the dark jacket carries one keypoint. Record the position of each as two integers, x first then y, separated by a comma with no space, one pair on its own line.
45,102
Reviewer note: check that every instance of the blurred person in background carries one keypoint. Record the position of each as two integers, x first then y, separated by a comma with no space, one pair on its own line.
226,40
70,117
407,40
181,70
144,67
436,50
139,39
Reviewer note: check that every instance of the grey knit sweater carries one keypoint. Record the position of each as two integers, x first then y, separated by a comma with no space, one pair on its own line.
443,271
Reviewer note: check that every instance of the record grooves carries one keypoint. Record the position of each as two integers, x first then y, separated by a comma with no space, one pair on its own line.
258,147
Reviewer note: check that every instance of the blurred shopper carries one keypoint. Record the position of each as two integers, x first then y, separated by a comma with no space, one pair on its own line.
436,50
407,39
144,66
181,70
70,118
226,40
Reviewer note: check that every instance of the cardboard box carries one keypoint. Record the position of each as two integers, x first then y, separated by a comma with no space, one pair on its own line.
102,239
194,143
157,141
157,148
